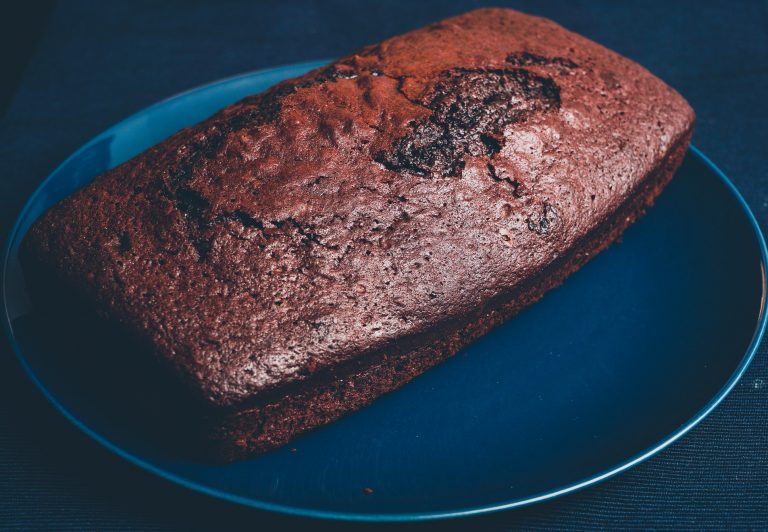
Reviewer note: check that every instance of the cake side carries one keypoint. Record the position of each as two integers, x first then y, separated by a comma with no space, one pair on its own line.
369,204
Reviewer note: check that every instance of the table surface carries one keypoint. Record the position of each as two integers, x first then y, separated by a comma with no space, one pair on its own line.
98,63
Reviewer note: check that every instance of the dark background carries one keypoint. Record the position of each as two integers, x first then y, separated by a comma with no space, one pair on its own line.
72,69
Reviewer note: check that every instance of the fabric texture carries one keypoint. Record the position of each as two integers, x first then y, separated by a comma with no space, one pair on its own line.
100,62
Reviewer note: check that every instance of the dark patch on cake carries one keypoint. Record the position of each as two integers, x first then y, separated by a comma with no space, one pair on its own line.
529,59
545,221
517,186
470,108
124,243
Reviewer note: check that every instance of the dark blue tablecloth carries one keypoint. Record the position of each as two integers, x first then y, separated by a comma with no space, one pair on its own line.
98,63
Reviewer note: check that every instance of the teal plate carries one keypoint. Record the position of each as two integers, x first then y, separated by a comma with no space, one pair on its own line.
626,357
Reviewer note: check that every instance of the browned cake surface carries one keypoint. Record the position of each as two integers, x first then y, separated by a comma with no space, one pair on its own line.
362,222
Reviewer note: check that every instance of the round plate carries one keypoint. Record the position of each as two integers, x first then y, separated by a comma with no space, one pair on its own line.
623,359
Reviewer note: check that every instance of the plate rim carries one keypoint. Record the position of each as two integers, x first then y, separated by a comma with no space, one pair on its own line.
300,511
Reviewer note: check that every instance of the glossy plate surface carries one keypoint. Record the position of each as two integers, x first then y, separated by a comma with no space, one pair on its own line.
623,359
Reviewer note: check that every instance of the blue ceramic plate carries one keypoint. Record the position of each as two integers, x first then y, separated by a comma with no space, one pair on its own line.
623,359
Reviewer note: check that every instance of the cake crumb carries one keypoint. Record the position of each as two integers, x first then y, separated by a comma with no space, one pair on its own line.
367,491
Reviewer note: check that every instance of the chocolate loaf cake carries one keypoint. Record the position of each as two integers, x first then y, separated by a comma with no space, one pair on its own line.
312,247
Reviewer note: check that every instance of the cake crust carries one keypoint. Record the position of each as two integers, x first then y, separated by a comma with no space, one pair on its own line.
363,222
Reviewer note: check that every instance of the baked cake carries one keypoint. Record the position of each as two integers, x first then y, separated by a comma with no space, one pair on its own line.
310,248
